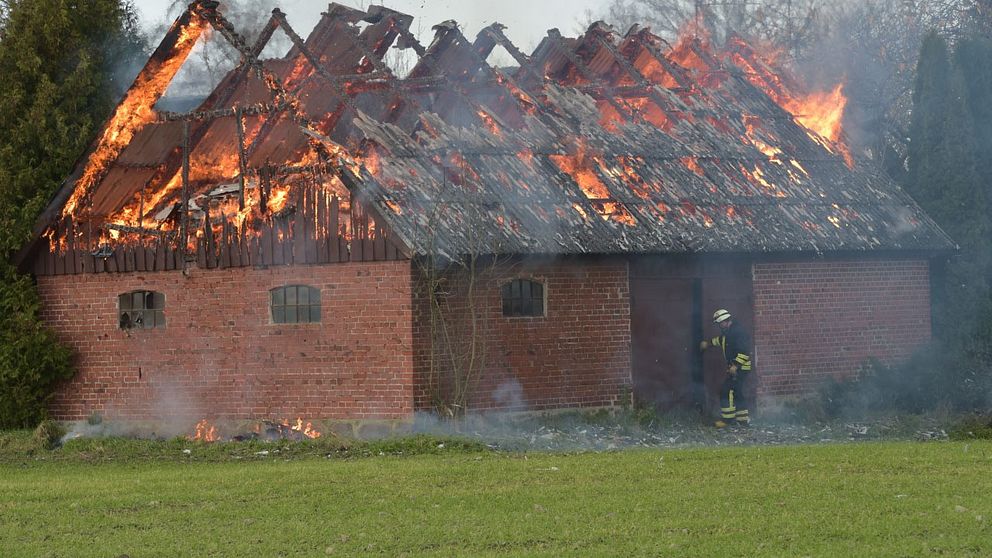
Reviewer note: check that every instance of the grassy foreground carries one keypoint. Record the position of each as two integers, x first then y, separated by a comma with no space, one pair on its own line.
873,499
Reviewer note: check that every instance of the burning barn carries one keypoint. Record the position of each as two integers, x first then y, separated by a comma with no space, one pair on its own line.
324,237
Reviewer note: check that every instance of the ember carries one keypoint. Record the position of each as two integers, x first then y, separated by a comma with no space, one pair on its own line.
281,430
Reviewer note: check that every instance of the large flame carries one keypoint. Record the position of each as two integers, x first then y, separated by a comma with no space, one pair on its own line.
821,112
136,109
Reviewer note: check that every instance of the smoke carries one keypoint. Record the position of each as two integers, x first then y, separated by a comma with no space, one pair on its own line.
903,221
213,57
509,395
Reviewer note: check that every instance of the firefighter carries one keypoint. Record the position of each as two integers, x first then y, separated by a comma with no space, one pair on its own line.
736,346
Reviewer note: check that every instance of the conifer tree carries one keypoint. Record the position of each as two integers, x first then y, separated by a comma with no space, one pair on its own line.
948,175
63,64
930,94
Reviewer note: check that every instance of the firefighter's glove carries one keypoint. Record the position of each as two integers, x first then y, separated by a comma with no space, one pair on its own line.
732,370
703,345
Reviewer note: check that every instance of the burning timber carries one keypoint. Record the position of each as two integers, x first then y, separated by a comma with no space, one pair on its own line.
266,430
601,144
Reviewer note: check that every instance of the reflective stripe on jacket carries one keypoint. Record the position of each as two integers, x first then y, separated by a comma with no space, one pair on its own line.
736,345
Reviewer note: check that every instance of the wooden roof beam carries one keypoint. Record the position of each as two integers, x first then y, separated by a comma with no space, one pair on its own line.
559,45
677,73
495,32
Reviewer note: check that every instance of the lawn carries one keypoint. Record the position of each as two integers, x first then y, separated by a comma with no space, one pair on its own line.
864,499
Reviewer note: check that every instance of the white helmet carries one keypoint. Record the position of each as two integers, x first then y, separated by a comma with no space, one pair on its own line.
721,315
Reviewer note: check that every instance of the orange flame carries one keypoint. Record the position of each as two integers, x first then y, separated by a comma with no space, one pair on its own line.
490,122
820,112
582,168
372,161
307,430
205,432
692,163
278,199
135,111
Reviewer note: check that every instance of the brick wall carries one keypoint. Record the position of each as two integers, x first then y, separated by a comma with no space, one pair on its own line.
219,356
578,355
814,320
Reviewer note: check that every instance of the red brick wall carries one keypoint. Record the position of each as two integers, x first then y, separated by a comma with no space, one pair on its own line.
578,355
219,357
814,320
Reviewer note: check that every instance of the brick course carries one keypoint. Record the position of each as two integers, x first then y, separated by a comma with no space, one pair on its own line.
219,356
820,319
578,355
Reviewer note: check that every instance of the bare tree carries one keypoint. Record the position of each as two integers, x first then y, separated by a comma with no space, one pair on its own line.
214,57
787,24
457,292
458,280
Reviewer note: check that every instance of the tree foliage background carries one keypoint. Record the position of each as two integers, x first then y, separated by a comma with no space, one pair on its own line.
948,172
64,64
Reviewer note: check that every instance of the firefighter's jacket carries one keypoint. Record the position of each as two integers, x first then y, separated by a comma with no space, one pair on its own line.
736,345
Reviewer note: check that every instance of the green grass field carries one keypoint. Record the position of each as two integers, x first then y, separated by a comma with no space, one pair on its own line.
867,499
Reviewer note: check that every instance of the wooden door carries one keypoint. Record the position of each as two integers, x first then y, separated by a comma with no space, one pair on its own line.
663,340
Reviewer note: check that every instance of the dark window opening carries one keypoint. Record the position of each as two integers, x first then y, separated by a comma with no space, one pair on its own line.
141,310
295,304
522,297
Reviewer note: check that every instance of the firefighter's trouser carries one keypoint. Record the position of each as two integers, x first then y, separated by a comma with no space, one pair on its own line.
733,397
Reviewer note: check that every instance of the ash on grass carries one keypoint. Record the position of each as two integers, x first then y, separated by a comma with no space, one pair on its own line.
620,429
575,431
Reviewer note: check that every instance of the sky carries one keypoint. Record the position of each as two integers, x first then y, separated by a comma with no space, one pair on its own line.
527,21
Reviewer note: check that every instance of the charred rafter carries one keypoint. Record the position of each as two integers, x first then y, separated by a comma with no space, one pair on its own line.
481,48
447,37
271,81
678,73
495,32
556,40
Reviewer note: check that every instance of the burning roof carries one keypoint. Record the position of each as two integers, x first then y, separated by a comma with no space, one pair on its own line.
604,143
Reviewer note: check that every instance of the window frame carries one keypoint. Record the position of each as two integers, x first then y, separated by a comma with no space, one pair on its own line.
138,314
279,304
542,298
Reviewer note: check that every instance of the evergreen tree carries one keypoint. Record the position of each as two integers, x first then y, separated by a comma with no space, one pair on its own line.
926,131
61,62
948,175
973,56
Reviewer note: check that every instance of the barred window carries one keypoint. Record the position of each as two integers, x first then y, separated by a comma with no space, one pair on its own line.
522,297
141,310
295,304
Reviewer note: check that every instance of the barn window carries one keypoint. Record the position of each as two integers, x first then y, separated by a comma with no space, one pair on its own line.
141,310
523,297
295,304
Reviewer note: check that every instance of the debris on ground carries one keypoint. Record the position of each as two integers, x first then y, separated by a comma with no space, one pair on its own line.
576,432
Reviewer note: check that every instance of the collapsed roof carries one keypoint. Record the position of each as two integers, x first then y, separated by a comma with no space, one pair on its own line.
596,144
